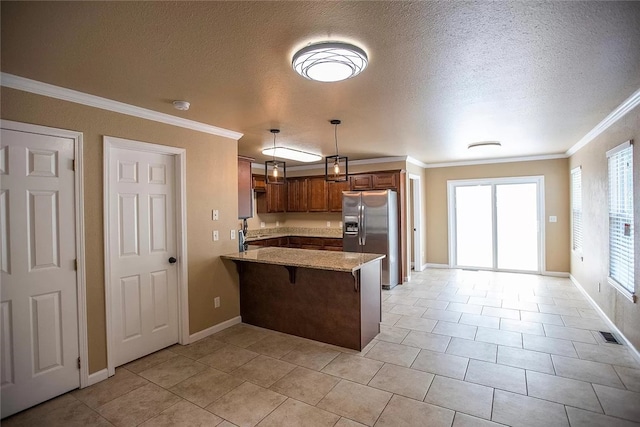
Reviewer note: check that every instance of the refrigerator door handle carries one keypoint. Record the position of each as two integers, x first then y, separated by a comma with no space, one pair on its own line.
360,225
364,229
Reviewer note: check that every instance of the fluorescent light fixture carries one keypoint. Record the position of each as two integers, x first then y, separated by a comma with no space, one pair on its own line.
486,144
329,61
291,154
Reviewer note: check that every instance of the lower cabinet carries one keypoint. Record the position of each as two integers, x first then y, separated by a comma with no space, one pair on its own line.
298,242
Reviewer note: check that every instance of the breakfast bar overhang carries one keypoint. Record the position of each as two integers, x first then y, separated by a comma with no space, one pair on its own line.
332,297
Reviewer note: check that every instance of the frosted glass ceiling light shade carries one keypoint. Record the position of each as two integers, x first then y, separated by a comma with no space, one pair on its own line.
485,144
330,61
291,154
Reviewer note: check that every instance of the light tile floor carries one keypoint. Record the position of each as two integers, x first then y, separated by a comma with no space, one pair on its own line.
456,348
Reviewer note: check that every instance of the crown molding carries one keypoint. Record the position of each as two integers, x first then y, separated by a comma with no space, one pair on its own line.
416,162
45,89
622,109
493,161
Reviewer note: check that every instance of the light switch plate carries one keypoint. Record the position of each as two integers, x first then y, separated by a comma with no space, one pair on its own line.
215,235
233,234
215,215
261,224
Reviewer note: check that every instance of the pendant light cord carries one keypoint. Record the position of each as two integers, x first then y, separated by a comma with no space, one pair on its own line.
336,137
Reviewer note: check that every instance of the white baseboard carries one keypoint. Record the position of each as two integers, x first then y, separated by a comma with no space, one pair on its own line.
214,329
432,265
614,328
555,273
96,377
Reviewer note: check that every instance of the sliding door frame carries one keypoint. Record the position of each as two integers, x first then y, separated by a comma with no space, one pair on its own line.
452,226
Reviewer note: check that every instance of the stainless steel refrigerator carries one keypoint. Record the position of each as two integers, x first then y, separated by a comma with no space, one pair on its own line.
370,224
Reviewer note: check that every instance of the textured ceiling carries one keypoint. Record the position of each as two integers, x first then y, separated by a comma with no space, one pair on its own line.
535,75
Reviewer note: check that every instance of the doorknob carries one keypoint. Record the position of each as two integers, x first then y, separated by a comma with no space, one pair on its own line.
172,260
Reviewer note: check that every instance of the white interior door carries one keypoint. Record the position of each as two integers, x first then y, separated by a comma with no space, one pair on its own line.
39,314
416,202
143,287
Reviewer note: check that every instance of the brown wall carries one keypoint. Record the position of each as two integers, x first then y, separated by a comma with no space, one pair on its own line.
556,180
211,184
594,267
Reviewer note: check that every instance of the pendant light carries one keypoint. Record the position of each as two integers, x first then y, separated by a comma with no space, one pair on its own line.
336,168
275,171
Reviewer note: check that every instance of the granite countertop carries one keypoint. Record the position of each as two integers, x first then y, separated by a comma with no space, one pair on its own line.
307,258
270,233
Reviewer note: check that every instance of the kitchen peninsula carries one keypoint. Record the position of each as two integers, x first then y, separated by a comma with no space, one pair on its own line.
332,297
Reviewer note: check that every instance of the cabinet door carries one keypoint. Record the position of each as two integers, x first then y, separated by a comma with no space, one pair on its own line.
383,181
258,183
297,195
318,200
361,182
275,198
335,195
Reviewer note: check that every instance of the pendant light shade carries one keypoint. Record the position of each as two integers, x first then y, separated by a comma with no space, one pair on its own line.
336,168
275,171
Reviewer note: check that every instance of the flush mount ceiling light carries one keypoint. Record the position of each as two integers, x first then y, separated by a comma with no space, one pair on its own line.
486,144
275,171
291,154
181,105
330,61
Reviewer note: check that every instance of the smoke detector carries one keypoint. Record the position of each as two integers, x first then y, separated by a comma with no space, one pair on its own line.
181,105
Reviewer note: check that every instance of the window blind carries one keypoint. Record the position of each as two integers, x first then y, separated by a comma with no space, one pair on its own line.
576,208
621,249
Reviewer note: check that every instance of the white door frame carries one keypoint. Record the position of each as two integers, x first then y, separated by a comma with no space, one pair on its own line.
451,207
180,155
81,282
416,205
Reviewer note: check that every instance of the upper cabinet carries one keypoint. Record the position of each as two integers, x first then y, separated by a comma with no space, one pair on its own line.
335,195
318,198
245,196
270,198
314,194
297,194
375,181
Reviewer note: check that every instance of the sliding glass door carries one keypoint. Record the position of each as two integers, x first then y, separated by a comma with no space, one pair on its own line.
495,224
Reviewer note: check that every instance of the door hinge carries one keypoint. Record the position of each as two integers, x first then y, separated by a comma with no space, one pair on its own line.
73,165
75,264
78,362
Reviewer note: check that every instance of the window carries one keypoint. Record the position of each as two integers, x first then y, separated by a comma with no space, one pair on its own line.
576,209
621,260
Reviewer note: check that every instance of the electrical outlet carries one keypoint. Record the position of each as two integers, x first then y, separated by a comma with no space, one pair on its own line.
340,224
328,224
262,225
233,234
216,302
553,218
277,223
215,235
215,215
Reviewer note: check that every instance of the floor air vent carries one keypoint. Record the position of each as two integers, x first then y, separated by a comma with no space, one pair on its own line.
608,336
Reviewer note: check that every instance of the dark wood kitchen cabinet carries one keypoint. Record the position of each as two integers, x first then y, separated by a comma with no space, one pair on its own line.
375,181
318,200
335,195
272,200
259,183
297,194
245,185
